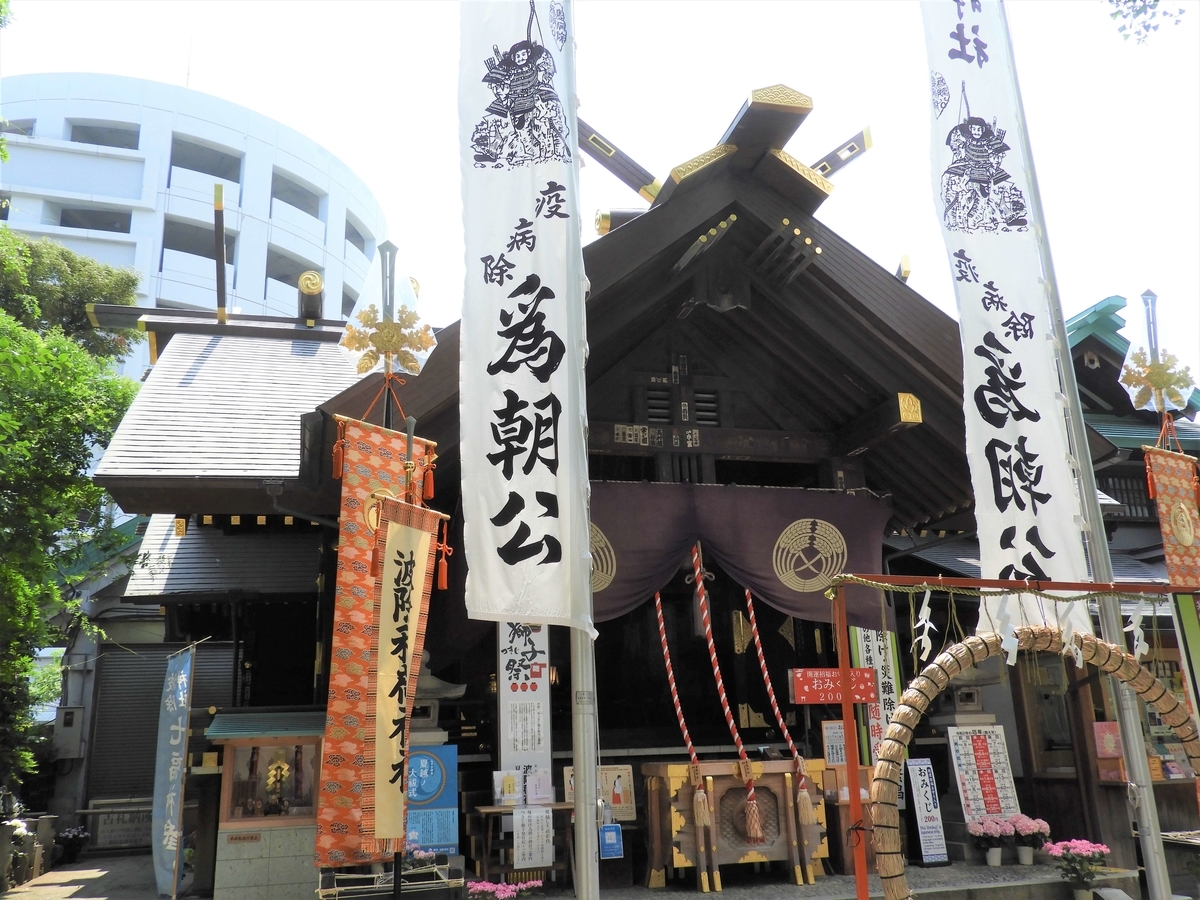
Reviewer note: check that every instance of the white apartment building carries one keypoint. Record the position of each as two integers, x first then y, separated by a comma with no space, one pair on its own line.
123,170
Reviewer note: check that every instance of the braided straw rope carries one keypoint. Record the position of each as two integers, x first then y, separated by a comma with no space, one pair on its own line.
935,677
754,831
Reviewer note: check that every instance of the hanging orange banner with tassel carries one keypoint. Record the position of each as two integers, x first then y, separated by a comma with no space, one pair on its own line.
1172,483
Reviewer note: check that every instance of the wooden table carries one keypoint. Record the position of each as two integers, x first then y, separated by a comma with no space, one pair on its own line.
561,813
674,839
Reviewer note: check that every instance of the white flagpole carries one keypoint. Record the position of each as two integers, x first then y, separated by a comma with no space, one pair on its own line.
585,758
1142,793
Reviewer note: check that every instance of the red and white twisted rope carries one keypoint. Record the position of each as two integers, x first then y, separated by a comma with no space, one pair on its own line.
702,596
801,780
662,636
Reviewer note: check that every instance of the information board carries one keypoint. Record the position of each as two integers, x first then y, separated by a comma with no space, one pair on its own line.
982,771
615,784
928,813
834,734
533,837
433,798
825,686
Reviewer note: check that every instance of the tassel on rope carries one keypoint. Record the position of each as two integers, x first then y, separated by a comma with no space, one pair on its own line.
803,800
699,797
339,450
754,828
427,482
443,574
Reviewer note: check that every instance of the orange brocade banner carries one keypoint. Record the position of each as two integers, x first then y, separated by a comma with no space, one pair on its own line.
372,461
1172,481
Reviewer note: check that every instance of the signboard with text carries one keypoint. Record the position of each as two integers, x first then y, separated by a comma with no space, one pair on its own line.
928,813
433,798
825,686
982,771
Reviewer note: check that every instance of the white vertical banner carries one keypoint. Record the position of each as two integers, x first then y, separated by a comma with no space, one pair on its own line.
523,685
1026,499
876,650
523,346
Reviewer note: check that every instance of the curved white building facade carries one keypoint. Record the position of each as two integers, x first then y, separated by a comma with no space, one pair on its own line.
123,170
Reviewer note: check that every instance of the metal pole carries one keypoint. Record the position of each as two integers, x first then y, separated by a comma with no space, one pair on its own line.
841,627
387,297
1141,791
585,757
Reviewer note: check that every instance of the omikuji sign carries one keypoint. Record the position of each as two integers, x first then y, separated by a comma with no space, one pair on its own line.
825,686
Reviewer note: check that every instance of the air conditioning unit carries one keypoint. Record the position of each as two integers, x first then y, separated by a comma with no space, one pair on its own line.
68,732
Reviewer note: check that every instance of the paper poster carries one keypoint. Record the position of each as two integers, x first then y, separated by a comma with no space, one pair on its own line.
834,734
523,666
433,798
982,770
611,844
615,784
533,837
928,812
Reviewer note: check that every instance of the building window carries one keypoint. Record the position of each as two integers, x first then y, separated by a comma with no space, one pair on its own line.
349,298
22,127
287,269
5,203
272,779
95,219
658,406
1130,491
195,239
107,134
196,157
355,237
707,411
294,194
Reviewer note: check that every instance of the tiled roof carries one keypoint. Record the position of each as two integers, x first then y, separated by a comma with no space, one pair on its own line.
302,723
225,406
207,560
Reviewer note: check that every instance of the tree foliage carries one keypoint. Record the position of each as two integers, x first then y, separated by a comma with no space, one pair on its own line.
59,405
43,284
1140,18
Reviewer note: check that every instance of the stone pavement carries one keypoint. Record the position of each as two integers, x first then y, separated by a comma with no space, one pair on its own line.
93,878
132,878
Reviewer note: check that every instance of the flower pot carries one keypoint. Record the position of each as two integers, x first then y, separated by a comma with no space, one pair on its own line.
1082,893
1025,856
993,855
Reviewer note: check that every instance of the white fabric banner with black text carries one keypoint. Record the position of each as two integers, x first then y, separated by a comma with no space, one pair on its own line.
523,345
1026,497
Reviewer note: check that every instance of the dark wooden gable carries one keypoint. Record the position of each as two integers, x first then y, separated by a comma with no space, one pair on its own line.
793,357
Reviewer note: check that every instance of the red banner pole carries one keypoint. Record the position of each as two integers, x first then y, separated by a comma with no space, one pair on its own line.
850,728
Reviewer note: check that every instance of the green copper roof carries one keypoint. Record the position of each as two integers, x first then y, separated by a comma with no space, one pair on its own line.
1103,322
1129,433
302,723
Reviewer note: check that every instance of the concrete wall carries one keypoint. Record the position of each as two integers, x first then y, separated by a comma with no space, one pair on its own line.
48,172
278,866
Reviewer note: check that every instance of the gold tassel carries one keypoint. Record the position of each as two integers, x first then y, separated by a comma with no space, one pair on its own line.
700,809
754,828
804,807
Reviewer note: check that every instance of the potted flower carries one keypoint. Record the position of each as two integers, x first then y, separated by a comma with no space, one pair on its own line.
1078,861
72,840
488,890
991,833
1030,834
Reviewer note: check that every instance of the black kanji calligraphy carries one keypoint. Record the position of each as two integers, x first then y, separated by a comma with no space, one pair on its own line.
1019,325
964,270
976,6
992,299
519,548
524,658
1033,569
511,432
523,237
496,271
1016,475
552,201
997,399
959,35
531,344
